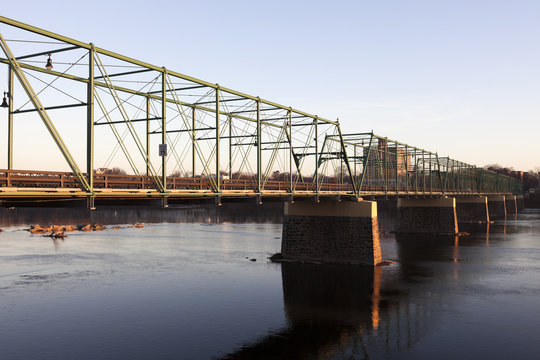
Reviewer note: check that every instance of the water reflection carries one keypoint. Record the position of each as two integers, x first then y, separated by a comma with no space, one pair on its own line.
327,308
336,311
330,311
269,212
346,312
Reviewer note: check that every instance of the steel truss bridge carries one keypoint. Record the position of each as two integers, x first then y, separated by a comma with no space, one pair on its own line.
213,141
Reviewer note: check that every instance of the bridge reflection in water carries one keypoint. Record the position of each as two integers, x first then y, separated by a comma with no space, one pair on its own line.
343,311
335,311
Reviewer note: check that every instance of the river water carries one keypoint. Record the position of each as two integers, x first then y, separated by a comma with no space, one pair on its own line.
187,289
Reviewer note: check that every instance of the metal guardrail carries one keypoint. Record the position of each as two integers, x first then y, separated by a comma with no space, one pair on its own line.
53,180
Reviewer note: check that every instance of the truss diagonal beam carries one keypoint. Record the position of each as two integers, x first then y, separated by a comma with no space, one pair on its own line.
44,116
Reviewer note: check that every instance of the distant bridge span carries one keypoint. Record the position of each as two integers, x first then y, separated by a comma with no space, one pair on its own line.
212,141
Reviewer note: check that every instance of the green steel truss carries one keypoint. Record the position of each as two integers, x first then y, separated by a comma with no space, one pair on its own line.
381,164
210,132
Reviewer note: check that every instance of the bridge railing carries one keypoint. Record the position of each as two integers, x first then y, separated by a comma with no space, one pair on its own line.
495,183
56,179
216,130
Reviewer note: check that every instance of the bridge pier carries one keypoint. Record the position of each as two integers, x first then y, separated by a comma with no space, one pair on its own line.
520,202
496,206
472,209
510,203
331,232
90,203
164,202
427,216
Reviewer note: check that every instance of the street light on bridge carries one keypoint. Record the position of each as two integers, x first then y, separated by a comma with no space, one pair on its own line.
4,102
49,66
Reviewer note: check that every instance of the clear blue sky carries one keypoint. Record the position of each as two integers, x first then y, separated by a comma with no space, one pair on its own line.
458,77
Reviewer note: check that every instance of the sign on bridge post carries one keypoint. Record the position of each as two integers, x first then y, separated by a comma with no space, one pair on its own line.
162,149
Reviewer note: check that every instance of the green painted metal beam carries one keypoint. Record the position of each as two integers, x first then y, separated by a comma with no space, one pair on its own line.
43,114
112,54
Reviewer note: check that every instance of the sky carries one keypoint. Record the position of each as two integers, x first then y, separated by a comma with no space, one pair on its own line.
460,78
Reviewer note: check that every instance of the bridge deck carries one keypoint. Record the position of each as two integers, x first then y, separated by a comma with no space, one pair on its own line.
22,184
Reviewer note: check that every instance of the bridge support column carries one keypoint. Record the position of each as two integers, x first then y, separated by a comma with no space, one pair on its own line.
510,203
427,216
520,202
496,206
164,202
331,232
472,209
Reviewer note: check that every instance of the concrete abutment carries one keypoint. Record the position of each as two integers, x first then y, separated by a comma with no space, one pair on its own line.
331,232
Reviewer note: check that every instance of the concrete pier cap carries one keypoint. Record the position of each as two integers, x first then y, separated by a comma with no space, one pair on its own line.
331,232
427,216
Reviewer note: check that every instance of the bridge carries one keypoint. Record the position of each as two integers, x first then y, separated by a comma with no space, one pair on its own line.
184,138
212,141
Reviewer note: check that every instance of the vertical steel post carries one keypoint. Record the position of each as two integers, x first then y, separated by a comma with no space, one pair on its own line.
344,154
10,119
406,169
340,168
164,127
396,172
385,165
416,170
355,161
479,180
460,178
430,173
90,120
218,182
259,154
316,154
289,125
423,172
193,141
147,136
230,147
365,165
454,188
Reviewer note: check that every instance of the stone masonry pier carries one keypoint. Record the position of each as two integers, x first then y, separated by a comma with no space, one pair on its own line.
497,206
427,216
520,202
331,232
472,209
510,203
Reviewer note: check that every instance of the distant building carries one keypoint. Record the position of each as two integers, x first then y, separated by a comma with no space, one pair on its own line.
517,174
384,162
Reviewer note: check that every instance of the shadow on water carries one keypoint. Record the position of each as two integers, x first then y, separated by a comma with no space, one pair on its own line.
341,311
106,215
325,306
332,311
346,312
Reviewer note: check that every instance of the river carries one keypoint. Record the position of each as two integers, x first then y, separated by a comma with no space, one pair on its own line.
200,286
